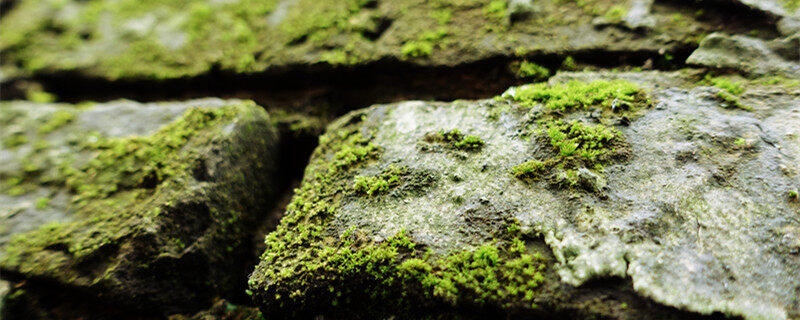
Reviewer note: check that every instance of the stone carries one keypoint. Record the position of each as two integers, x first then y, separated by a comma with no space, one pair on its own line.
129,40
479,205
144,206
749,55
639,16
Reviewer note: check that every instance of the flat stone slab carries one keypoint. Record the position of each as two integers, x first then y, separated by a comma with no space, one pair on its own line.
688,190
144,205
132,40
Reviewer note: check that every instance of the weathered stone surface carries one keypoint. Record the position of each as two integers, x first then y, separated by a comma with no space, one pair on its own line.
689,191
167,40
749,55
148,206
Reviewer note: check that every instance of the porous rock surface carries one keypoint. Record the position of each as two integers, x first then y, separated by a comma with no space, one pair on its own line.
144,206
691,200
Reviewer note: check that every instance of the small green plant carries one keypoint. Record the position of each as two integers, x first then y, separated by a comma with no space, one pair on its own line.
528,69
794,195
740,142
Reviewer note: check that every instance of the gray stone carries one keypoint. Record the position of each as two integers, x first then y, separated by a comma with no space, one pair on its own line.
695,211
147,205
639,16
746,54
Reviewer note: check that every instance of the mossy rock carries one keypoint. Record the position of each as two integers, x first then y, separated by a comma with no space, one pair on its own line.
132,39
665,187
148,206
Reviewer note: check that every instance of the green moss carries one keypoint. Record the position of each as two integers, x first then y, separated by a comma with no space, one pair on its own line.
424,45
57,120
454,139
791,5
403,179
568,178
732,87
42,203
614,95
569,64
495,10
318,20
125,163
307,268
528,69
39,96
794,195
14,140
415,49
381,183
590,142
442,16
616,13
108,189
531,169
730,101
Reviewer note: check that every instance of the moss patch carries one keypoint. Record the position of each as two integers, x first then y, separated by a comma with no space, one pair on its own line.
575,95
527,69
575,145
454,139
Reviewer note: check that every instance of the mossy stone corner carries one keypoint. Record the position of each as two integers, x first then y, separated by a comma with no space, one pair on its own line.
483,235
149,205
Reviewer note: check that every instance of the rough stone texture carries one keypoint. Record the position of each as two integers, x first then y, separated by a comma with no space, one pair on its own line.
696,210
145,206
166,40
749,55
